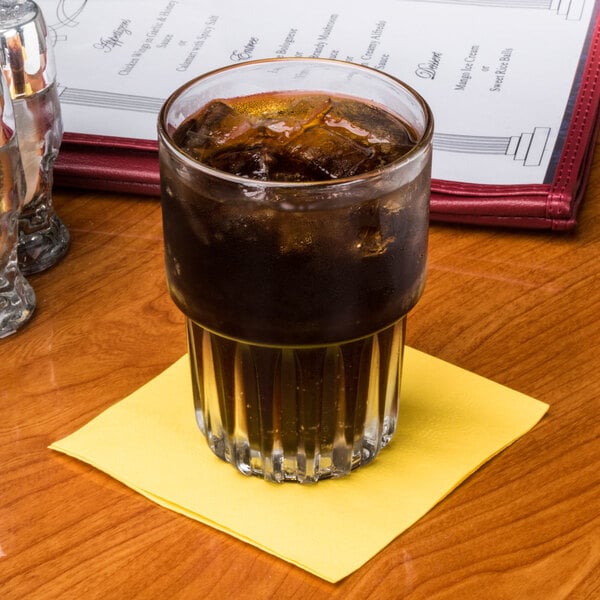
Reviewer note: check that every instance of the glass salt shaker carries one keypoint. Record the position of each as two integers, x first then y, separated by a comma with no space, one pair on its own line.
27,60
17,298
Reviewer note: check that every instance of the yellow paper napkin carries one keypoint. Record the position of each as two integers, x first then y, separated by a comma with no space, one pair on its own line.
451,422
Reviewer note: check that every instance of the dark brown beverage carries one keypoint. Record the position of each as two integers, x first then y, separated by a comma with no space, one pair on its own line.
333,275
295,290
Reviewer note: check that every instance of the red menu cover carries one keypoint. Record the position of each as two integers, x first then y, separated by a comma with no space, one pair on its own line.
130,164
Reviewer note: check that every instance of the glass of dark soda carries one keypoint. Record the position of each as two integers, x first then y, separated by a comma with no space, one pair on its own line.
295,200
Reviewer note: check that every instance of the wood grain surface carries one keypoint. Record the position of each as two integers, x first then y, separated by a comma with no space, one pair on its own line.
519,307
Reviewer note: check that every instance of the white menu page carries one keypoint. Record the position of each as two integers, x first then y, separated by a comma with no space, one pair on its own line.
498,74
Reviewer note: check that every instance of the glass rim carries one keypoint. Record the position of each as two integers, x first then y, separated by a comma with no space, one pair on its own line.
421,144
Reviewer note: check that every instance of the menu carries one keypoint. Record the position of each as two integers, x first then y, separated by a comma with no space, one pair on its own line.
503,77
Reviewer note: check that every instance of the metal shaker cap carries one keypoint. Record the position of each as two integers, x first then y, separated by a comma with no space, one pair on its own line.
25,54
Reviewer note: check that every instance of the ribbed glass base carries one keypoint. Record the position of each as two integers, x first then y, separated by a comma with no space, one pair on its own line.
297,414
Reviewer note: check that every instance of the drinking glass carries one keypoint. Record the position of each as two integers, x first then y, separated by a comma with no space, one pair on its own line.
296,292
27,60
17,298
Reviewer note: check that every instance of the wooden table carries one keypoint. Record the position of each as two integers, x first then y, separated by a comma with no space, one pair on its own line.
522,308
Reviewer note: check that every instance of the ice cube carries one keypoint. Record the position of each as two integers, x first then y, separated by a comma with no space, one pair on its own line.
219,126
370,125
329,153
372,242
250,162
296,117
